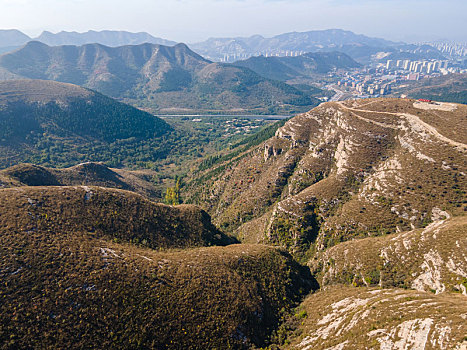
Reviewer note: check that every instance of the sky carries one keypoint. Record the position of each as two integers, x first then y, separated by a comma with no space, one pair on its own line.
196,20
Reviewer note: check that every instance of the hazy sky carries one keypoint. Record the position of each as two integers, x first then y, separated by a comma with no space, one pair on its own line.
196,20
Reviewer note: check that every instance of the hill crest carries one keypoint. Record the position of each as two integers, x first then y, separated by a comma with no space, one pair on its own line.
155,77
342,171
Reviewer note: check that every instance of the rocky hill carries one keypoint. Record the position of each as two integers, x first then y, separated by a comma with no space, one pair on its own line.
55,123
83,265
343,171
159,78
370,318
432,259
86,174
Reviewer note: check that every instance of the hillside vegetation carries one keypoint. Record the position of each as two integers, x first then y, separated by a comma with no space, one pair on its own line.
432,259
160,78
83,265
92,174
309,65
55,123
342,171
115,214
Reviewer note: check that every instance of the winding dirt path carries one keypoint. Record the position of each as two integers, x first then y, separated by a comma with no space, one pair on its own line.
409,117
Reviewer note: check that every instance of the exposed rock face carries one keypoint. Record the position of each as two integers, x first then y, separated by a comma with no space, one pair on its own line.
345,170
270,151
430,259
365,318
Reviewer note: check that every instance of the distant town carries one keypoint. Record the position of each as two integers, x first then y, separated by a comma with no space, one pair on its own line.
380,79
232,57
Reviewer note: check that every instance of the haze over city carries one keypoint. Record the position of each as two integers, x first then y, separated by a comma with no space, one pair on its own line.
196,20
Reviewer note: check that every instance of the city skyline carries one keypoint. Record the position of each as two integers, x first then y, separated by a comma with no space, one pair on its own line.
197,20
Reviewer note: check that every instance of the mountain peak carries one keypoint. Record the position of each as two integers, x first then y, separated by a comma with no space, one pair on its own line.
110,38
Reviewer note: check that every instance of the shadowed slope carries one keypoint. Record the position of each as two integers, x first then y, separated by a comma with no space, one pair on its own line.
92,174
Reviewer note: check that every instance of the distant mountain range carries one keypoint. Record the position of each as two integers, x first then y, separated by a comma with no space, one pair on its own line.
300,67
289,43
360,47
106,37
160,78
14,38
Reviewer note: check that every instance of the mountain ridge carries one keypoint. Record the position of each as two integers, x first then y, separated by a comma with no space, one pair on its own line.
87,264
85,174
111,38
343,171
156,77
305,66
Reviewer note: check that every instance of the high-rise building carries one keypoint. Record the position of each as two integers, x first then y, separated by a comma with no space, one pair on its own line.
406,64
429,68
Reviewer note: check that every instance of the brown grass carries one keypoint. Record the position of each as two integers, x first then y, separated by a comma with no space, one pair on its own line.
77,272
365,318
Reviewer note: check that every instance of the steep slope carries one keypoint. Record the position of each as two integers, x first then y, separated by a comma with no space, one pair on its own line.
367,318
430,259
304,66
77,270
341,171
112,38
87,174
50,122
156,77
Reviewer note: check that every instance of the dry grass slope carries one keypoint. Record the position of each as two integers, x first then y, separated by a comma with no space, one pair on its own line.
87,174
100,212
430,259
366,318
342,171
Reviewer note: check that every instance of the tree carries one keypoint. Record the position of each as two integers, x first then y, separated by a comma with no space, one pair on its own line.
172,196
